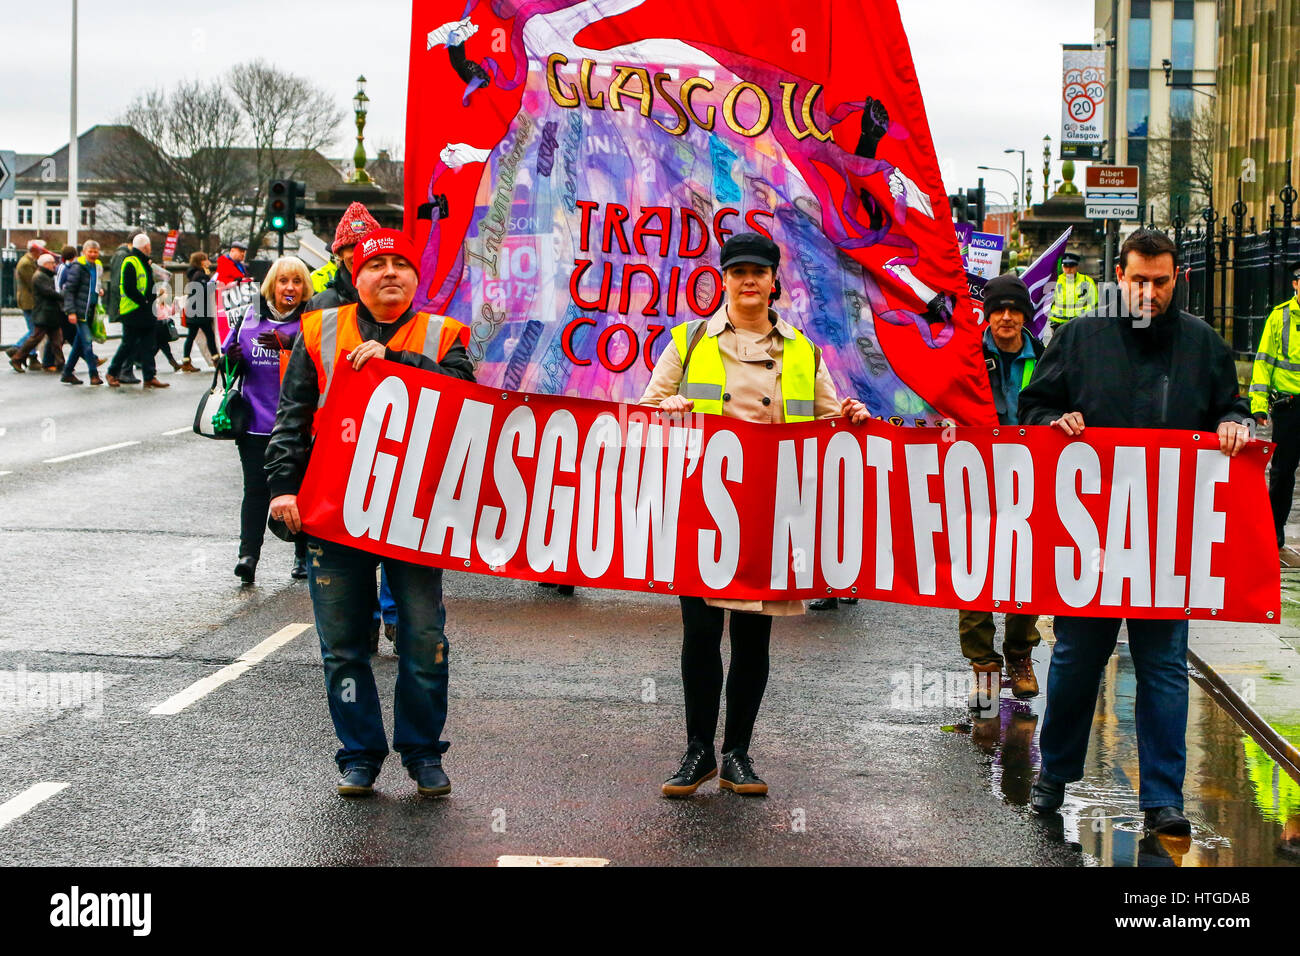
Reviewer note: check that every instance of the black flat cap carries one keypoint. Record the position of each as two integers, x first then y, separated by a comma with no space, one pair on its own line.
750,247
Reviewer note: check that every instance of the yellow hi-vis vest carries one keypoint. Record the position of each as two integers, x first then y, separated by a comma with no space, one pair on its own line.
126,306
704,380
322,277
1277,364
1073,298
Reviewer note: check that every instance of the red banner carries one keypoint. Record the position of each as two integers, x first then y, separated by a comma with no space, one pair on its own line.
1126,523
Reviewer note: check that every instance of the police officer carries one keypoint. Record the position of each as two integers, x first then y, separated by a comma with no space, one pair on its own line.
745,362
1274,388
1075,293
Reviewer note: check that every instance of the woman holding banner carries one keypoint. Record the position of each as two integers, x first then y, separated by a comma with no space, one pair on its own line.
745,362
258,347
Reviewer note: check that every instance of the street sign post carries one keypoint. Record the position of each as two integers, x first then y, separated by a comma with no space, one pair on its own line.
1111,192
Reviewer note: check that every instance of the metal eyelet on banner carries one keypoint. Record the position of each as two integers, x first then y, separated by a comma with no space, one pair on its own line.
828,590
525,398
1196,437
1187,611
650,583
505,394
467,564
1214,612
1269,615
997,603
1019,605
1022,431
996,433
670,585
854,589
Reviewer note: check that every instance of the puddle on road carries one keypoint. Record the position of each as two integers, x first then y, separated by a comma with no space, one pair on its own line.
1244,809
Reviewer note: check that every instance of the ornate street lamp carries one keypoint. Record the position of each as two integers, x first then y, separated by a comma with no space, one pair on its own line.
1047,164
360,104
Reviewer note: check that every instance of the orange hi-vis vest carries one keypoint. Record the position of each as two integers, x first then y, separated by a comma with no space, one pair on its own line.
330,334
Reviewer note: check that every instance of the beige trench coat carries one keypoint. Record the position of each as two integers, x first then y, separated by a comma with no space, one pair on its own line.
753,366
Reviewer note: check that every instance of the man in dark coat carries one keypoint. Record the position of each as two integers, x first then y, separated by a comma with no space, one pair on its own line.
1141,364
1011,353
47,314
136,313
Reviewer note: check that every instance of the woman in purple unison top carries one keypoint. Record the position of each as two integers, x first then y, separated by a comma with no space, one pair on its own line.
254,347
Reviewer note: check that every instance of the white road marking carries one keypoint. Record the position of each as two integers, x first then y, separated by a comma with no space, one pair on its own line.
37,793
551,861
177,431
93,451
201,688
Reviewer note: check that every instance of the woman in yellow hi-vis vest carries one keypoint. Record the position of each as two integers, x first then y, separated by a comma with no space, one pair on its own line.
745,362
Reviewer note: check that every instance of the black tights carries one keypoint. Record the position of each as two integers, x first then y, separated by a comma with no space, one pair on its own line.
257,498
195,327
702,672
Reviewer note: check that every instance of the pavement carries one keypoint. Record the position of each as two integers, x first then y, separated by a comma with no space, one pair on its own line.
173,717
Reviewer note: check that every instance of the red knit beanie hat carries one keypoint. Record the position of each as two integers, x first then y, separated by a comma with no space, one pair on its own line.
356,222
384,242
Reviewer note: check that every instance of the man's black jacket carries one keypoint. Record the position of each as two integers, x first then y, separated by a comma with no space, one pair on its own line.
340,291
290,445
1176,374
48,313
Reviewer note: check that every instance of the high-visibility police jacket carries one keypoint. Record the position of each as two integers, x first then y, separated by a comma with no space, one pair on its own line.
1277,364
322,277
1073,297
330,334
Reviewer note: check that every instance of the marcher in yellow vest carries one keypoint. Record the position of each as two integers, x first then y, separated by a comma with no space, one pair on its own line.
322,277
745,362
1075,295
1274,388
382,325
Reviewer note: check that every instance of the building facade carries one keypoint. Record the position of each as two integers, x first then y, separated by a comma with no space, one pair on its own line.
1257,120
1165,69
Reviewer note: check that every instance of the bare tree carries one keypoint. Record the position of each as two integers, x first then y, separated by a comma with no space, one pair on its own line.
180,163
287,119
1180,163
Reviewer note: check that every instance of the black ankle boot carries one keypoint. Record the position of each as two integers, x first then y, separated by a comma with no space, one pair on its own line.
246,568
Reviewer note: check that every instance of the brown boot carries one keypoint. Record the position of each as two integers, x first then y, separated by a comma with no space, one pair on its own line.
1023,682
988,688
154,383
188,366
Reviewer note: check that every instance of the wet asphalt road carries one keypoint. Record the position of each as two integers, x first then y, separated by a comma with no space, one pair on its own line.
565,714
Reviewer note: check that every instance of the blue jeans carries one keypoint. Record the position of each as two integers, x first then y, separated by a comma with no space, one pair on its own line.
387,610
1159,652
31,327
83,346
342,582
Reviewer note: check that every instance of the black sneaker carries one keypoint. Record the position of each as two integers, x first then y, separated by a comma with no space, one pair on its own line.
430,780
358,781
698,765
1167,820
823,604
129,380
738,774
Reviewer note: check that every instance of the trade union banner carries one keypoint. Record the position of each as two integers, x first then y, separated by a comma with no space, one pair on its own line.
573,168
422,467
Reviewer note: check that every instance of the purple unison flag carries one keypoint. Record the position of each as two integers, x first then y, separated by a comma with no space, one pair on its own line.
1040,277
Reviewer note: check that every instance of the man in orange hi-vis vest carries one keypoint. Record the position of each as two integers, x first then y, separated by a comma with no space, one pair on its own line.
342,579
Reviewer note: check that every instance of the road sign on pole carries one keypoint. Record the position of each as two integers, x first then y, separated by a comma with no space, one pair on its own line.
1111,192
8,173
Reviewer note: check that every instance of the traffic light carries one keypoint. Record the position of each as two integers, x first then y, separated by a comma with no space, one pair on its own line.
975,205
280,206
284,200
959,208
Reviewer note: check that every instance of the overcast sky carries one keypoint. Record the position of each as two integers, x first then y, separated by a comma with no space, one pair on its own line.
989,69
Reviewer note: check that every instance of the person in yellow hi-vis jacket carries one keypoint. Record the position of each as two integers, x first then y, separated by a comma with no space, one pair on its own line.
1274,388
745,362
1075,295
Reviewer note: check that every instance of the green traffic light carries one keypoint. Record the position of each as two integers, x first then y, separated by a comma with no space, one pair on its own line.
277,223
